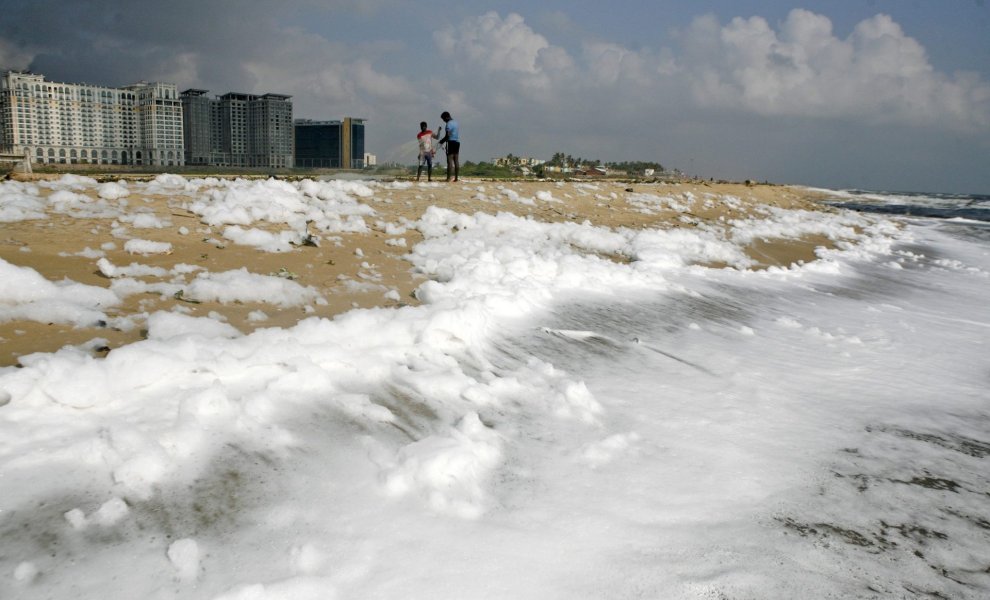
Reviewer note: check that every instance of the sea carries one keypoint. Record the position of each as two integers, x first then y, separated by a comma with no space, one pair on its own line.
549,423
819,436
967,207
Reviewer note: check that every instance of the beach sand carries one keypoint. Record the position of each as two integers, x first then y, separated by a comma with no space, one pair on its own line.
51,247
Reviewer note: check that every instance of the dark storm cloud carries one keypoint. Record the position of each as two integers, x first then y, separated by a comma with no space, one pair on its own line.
112,43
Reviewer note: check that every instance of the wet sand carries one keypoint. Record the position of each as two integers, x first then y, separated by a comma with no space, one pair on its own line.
346,277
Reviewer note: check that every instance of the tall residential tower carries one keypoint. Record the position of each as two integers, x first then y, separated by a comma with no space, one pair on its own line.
238,130
66,123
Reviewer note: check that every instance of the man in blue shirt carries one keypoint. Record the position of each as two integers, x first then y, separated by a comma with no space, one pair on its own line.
451,137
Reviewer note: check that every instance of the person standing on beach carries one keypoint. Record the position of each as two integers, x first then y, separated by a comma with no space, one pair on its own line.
452,137
426,151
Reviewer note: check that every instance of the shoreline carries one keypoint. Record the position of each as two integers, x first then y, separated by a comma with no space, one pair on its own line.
350,270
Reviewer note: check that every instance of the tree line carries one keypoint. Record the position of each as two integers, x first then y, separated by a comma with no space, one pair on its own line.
560,159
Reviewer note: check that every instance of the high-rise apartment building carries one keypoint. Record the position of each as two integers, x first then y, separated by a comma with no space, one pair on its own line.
330,144
196,126
238,130
272,143
66,123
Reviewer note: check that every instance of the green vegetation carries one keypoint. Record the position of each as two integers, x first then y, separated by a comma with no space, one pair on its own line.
560,159
636,166
566,160
485,169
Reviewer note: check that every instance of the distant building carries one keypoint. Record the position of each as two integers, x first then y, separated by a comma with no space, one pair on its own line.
318,144
330,144
353,142
238,130
197,113
272,143
370,160
67,123
592,172
517,161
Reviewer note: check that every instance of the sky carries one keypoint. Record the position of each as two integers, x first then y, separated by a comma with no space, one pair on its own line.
873,94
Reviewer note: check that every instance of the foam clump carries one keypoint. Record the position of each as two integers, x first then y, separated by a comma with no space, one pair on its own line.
184,555
146,247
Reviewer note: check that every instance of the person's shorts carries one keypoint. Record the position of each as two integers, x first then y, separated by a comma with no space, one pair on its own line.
453,148
427,158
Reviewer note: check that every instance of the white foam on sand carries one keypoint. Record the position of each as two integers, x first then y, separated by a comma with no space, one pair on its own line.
26,295
549,423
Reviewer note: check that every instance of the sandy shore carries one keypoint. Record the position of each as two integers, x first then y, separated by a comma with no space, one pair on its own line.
51,247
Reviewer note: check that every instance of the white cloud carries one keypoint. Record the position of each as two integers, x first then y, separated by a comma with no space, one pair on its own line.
877,72
380,85
327,78
607,64
800,69
554,58
511,65
495,43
